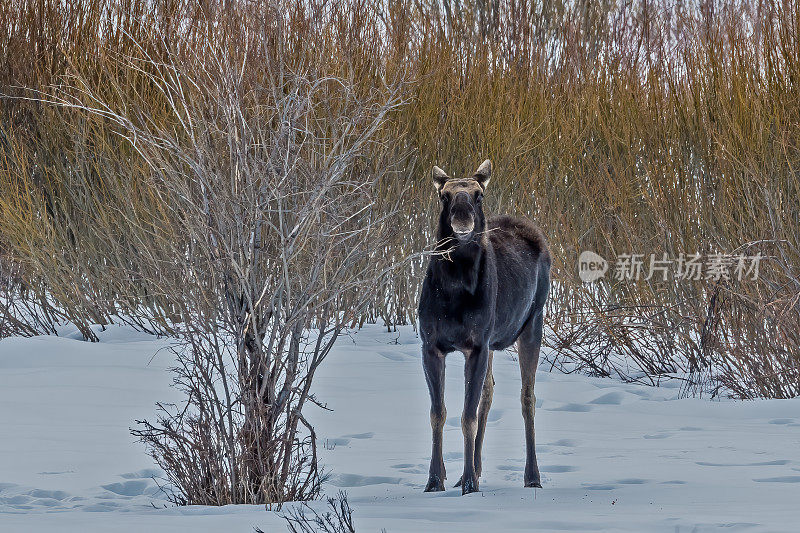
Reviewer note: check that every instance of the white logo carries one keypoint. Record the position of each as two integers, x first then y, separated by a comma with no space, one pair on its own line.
591,266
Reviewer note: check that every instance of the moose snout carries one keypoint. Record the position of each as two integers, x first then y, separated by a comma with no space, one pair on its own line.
462,216
462,226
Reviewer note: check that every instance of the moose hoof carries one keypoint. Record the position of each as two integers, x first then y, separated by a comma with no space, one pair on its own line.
461,478
435,484
468,487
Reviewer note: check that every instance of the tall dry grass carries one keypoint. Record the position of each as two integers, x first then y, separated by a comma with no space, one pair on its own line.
640,127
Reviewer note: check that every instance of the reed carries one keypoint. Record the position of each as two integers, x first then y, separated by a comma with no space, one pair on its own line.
641,127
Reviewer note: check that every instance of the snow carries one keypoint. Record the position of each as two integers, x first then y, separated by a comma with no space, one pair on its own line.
614,456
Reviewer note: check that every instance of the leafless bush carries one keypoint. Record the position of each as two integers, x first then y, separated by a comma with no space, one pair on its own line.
630,342
756,362
277,249
338,518
23,313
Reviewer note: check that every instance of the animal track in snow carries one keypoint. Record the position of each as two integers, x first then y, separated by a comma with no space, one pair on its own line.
612,398
495,415
355,480
572,408
599,486
136,487
658,436
557,469
32,499
396,356
778,479
5,486
410,468
368,435
49,494
142,474
568,443
778,462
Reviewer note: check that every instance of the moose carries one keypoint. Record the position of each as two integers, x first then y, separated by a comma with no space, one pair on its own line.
485,288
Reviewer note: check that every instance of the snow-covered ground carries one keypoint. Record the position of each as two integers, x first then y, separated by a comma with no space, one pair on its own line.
613,456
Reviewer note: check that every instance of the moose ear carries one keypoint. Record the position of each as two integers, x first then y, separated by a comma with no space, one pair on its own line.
439,177
484,173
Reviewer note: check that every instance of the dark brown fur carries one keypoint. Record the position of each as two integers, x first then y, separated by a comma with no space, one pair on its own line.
485,292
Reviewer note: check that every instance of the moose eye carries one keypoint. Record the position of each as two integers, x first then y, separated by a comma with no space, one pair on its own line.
444,198
478,197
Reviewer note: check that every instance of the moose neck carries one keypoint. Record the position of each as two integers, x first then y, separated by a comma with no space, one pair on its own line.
460,263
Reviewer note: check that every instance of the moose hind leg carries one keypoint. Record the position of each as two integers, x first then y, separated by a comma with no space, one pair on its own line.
528,346
483,413
433,362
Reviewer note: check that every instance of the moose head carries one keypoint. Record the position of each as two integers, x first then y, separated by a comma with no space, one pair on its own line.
462,203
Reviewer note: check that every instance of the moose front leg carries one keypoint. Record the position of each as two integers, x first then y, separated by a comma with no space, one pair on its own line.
475,367
483,415
433,361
